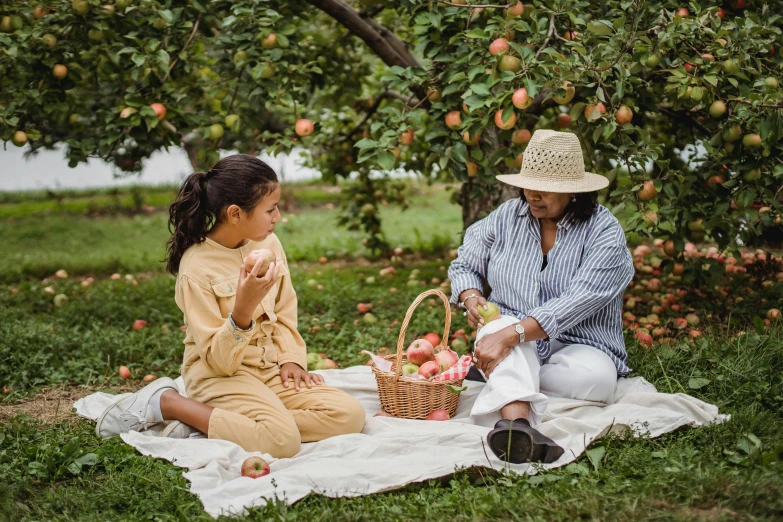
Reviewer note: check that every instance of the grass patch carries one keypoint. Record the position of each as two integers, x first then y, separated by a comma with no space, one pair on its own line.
38,246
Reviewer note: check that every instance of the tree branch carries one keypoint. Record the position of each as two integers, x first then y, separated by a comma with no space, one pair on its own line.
387,46
548,35
684,115
467,6
372,110
192,34
748,102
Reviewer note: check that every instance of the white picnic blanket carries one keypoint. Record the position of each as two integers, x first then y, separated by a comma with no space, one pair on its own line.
391,452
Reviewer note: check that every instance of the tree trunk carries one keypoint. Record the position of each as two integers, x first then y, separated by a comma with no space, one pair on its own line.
477,199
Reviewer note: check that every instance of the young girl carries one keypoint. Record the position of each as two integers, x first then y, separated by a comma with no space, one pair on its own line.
244,364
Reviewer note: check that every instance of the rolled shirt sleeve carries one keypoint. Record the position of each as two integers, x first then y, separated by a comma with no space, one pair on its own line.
221,346
605,273
470,266
290,344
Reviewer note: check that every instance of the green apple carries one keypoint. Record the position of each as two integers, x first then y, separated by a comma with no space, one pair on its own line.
491,313
216,131
312,360
231,120
369,318
410,369
49,41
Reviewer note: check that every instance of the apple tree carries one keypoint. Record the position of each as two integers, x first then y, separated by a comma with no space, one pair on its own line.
677,103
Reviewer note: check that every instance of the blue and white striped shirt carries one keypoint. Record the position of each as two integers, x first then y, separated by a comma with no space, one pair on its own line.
577,299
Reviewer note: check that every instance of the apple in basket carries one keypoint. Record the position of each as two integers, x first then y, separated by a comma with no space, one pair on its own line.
438,415
429,369
252,258
410,369
420,351
446,359
255,467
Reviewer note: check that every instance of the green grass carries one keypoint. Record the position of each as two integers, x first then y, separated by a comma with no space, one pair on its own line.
61,471
38,246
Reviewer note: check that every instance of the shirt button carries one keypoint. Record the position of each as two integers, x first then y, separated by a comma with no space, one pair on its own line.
238,338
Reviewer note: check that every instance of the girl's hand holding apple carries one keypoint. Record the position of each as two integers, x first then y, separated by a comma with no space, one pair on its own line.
251,289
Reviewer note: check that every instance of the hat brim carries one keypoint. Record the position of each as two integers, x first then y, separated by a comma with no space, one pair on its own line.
590,183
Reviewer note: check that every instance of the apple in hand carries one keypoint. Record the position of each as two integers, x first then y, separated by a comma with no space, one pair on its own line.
252,258
490,314
255,467
420,351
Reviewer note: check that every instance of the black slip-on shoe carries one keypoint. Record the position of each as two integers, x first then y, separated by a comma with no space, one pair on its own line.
517,442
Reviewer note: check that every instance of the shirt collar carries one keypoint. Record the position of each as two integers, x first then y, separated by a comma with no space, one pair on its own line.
565,222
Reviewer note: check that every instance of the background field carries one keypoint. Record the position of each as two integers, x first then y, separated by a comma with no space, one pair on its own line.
55,468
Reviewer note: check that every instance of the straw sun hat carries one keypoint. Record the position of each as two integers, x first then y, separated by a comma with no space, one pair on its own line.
553,162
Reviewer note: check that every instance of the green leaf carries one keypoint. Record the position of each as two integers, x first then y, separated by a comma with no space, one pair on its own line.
365,143
480,88
166,15
282,40
595,455
456,390
600,27
695,383
139,59
476,33
386,160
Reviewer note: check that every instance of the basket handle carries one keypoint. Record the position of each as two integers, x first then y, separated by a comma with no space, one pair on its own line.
401,340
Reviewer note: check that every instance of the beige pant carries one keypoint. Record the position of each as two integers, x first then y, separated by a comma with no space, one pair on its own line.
254,410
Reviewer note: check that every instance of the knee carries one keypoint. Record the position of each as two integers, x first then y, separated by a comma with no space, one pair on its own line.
349,416
281,440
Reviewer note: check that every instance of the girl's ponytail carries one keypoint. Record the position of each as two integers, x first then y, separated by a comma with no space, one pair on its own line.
240,180
189,219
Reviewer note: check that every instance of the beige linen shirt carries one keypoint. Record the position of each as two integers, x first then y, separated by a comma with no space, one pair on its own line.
205,292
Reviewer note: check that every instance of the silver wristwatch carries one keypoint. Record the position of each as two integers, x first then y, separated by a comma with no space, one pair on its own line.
521,331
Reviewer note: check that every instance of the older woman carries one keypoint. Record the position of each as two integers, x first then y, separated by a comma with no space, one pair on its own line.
557,263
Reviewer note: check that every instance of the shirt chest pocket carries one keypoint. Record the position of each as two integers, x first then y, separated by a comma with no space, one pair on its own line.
225,289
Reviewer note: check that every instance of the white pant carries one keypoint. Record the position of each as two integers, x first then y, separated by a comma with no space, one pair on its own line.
575,371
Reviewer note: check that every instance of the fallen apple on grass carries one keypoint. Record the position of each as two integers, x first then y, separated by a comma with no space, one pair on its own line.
138,324
255,467
124,372
149,377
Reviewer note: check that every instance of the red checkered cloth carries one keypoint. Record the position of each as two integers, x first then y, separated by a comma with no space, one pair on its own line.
458,371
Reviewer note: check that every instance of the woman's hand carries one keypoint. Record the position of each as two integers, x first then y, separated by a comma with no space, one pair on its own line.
494,347
292,371
251,289
474,317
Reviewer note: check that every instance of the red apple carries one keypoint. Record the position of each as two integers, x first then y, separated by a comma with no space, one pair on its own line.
255,467
363,308
624,115
269,42
60,71
454,120
505,124
160,110
407,137
125,372
420,351
517,9
304,127
644,338
471,140
520,99
433,338
138,324
446,359
721,13
498,46
438,415
520,137
266,256
683,12
149,377
647,192
429,369
563,120
773,314
589,109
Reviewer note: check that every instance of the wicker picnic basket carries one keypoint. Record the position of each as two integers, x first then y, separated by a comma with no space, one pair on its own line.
415,399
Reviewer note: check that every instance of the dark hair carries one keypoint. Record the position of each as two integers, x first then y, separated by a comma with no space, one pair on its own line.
240,180
583,208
